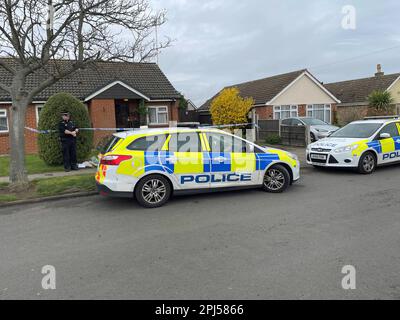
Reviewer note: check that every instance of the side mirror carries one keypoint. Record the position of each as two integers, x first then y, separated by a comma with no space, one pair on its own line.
300,125
385,136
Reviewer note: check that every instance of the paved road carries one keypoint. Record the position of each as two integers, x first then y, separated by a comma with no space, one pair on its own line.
246,244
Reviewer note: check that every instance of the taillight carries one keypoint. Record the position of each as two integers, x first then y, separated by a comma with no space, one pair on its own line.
113,160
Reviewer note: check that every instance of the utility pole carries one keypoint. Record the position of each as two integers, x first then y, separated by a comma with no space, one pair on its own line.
50,19
157,53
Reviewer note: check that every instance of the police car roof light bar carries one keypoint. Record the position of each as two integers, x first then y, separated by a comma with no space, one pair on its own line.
382,117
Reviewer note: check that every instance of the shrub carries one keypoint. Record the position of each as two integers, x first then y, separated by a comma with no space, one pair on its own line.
230,108
273,139
50,117
380,103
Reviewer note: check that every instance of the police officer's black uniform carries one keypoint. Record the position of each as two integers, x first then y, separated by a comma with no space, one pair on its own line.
68,143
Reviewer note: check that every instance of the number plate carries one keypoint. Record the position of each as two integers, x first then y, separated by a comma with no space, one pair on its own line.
319,156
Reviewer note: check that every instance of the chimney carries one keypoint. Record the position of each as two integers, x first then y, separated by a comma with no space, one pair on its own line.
379,72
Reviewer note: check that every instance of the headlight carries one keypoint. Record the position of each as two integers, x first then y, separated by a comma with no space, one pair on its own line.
346,148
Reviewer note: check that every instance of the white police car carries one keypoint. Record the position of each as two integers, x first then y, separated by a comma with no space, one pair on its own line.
152,164
363,145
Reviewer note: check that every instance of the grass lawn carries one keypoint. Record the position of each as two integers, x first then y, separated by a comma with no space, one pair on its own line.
33,164
50,187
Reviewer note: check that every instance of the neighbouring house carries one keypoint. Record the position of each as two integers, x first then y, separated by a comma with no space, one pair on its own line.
191,106
112,92
353,94
294,94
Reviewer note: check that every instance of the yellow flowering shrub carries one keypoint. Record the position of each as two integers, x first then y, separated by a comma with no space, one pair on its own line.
230,108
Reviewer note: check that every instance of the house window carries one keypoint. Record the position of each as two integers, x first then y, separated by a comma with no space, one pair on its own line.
39,108
284,112
3,120
319,111
158,115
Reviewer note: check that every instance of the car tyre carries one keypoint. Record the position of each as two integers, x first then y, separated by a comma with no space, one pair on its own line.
367,163
276,179
153,191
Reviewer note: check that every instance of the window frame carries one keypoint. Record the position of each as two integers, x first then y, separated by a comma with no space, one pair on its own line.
326,106
247,143
37,112
170,138
6,117
387,125
292,108
157,115
161,147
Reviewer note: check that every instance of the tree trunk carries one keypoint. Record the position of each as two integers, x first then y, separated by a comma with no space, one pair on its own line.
18,174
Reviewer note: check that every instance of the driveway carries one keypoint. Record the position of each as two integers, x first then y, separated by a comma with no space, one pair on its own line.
234,245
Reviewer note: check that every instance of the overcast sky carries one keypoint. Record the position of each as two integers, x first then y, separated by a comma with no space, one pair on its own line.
224,42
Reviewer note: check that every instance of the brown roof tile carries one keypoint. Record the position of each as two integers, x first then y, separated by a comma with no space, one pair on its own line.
357,91
262,90
146,78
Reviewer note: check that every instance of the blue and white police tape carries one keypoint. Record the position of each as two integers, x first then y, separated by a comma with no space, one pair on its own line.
80,129
232,125
134,129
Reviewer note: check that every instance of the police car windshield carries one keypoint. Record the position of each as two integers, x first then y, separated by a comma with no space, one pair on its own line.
357,130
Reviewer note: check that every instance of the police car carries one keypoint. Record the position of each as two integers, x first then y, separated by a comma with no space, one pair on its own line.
153,164
363,145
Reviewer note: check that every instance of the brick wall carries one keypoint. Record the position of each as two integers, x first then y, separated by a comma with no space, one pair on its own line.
265,113
31,146
302,110
347,114
102,115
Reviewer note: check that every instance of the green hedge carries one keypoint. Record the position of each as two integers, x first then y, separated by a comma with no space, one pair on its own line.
50,117
273,139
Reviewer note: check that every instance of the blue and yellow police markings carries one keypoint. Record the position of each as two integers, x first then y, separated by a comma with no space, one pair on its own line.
231,166
376,145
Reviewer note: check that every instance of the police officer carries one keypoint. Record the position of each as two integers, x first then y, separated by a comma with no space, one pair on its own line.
68,133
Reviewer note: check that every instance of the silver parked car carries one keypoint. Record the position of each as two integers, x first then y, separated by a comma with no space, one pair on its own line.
318,128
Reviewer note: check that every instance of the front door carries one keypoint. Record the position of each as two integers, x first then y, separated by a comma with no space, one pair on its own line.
390,146
232,162
185,150
122,114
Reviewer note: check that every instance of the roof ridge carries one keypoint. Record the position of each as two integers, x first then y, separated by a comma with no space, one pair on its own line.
366,78
94,61
265,78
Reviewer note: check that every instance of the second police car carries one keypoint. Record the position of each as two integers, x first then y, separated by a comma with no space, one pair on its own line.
153,164
362,145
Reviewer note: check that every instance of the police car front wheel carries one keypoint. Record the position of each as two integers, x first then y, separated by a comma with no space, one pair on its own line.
153,191
276,179
367,163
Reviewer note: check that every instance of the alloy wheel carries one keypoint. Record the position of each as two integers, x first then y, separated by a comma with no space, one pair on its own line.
154,191
368,163
274,179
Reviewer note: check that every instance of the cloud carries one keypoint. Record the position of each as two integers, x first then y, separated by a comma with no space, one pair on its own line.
223,42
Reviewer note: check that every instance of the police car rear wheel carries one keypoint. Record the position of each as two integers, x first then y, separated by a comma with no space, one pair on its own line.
367,163
153,191
276,179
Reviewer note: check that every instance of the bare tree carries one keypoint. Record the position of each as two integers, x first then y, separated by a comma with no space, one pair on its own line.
58,37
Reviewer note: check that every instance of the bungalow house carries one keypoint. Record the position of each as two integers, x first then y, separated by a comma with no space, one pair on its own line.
353,94
294,94
112,92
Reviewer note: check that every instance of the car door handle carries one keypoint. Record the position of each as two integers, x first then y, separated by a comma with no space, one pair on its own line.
171,159
220,159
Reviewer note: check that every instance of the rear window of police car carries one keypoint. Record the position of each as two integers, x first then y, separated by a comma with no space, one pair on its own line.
109,145
149,143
